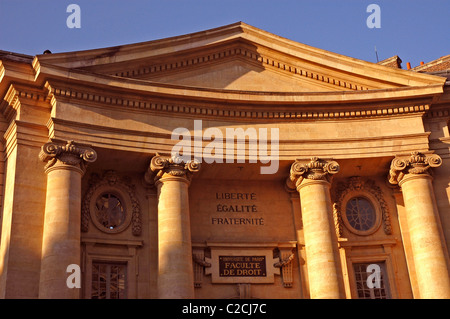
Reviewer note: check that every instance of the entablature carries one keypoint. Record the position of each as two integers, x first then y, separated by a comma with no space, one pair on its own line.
239,105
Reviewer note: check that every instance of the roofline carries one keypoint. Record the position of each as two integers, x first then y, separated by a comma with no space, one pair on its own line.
133,46
18,57
235,31
423,67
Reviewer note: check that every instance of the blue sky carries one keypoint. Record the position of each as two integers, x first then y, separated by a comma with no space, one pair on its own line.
412,29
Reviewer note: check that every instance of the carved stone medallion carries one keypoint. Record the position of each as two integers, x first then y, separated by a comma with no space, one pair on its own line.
111,204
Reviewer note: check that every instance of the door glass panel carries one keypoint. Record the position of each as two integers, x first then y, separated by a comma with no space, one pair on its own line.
108,281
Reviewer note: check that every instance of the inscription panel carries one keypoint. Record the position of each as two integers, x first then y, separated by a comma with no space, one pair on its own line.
240,211
242,266
243,204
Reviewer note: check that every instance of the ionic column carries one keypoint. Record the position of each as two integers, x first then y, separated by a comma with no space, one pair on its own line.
175,273
312,181
412,174
66,164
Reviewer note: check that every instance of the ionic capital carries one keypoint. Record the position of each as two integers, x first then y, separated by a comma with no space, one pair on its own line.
167,166
317,169
416,164
66,154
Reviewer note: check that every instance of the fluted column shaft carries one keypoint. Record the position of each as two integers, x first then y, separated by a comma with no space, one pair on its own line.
61,238
413,176
175,269
312,181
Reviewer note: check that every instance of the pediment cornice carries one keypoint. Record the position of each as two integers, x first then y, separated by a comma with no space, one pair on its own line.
263,58
240,41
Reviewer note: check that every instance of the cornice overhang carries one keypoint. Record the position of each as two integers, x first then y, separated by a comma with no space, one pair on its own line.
15,68
73,78
17,94
166,100
68,76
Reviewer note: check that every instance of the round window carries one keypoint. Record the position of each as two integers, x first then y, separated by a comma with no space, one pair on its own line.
110,212
360,214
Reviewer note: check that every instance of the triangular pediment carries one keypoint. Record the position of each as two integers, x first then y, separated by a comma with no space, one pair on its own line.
239,75
238,57
236,73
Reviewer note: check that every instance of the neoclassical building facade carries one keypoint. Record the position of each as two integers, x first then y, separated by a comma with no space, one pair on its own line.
228,163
